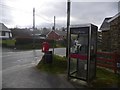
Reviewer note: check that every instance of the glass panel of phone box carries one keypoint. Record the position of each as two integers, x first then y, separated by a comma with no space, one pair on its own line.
83,48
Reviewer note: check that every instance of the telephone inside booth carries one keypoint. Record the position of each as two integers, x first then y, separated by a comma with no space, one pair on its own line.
82,55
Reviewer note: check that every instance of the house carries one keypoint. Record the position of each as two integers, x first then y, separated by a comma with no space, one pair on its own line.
105,29
44,33
115,32
56,35
5,33
99,40
21,33
37,34
26,35
111,33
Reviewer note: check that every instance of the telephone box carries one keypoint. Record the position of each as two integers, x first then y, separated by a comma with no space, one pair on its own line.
82,52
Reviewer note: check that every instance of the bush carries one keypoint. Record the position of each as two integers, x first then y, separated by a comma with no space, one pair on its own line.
27,43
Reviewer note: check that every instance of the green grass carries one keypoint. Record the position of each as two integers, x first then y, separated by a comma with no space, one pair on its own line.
104,78
8,42
58,66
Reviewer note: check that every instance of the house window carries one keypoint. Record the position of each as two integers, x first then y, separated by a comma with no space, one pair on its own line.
7,34
3,33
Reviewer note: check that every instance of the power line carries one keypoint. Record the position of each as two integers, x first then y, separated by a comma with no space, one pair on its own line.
28,12
44,18
13,8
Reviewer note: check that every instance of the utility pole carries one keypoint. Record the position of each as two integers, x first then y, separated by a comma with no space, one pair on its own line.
68,31
34,34
53,36
54,23
33,28
68,39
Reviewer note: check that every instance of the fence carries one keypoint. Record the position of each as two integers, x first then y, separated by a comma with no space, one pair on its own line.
108,60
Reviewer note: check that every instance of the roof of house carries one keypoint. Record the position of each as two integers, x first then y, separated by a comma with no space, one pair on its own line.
63,33
105,25
3,27
82,25
58,32
114,17
21,32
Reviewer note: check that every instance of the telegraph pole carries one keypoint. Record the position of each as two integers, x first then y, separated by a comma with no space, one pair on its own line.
34,34
68,39
33,28
68,24
53,36
54,23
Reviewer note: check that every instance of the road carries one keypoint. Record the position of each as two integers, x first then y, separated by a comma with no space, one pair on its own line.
12,58
18,70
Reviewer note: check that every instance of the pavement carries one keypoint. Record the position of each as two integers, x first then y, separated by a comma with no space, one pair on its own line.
30,77
19,71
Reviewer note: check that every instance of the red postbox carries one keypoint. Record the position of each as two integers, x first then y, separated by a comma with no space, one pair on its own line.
45,47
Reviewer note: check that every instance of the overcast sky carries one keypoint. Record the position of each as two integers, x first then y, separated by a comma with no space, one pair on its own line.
19,12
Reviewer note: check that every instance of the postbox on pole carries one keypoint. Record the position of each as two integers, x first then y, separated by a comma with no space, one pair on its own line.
45,47
47,54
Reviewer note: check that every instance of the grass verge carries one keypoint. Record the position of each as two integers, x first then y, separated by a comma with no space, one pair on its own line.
104,78
58,66
9,42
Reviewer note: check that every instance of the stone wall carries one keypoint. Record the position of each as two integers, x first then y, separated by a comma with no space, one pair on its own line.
115,34
106,41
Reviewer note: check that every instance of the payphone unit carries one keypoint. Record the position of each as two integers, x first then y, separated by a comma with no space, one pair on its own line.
82,55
